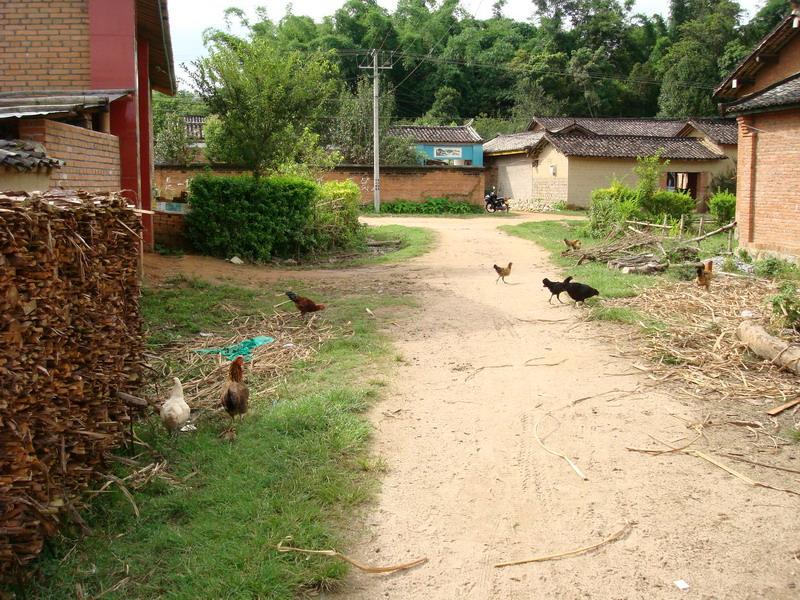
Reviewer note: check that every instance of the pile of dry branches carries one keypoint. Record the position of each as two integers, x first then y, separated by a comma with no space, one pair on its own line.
616,246
698,347
69,319
204,375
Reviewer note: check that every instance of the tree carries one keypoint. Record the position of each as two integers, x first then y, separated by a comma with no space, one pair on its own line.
182,103
351,132
445,105
172,144
265,97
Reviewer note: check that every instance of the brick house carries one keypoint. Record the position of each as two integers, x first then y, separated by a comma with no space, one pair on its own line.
763,93
562,159
76,78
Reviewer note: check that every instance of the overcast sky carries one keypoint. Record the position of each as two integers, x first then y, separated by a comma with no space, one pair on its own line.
188,18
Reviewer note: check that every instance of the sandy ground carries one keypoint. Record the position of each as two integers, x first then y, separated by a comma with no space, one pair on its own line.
485,366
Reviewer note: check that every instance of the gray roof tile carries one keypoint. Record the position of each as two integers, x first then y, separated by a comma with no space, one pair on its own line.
628,146
513,142
721,131
460,134
25,155
613,125
784,93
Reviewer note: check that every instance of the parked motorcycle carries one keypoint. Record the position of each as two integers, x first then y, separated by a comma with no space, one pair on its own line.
495,203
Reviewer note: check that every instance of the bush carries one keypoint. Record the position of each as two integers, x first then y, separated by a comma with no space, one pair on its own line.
432,206
774,268
610,207
250,218
786,306
672,204
335,223
724,182
723,206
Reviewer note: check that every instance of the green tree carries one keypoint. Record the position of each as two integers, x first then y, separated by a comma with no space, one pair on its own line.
351,132
172,144
445,105
265,97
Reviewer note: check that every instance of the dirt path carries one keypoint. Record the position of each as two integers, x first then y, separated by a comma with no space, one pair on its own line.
468,486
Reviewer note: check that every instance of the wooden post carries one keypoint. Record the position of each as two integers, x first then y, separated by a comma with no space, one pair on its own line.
730,240
664,223
700,227
680,231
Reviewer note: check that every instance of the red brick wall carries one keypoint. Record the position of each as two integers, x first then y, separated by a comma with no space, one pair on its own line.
44,44
168,230
768,182
416,183
788,64
91,157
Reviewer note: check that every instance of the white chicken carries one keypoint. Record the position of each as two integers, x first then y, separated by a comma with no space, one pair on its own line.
175,411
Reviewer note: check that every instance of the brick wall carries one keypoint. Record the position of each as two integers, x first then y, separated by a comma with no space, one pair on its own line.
44,44
171,181
416,183
168,230
788,64
91,157
768,201
397,183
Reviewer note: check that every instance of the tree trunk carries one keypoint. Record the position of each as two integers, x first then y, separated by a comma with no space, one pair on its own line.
769,347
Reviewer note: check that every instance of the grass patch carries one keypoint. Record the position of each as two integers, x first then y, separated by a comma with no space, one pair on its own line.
299,467
414,241
550,235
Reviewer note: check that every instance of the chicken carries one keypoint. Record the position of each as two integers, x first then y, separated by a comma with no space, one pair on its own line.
502,272
235,393
572,244
580,292
304,305
556,288
175,412
705,274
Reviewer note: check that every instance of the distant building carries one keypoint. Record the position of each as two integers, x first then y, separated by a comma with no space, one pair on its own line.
562,159
75,86
763,93
456,146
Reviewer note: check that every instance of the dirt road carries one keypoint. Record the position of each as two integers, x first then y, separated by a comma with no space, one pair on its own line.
468,485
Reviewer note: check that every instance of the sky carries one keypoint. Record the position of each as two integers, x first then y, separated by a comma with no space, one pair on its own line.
189,18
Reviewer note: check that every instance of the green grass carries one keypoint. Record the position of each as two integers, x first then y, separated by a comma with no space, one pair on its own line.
414,241
299,467
550,235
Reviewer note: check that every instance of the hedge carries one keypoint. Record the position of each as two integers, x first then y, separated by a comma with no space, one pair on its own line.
254,219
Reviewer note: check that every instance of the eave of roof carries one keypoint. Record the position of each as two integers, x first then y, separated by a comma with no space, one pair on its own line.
152,24
719,131
631,147
437,134
781,95
68,103
770,44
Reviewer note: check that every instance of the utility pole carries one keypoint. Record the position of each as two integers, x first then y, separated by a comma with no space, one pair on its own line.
376,152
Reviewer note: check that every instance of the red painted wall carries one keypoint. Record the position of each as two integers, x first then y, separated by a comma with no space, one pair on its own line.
145,140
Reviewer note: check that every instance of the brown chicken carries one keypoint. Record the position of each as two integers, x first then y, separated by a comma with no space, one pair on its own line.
304,305
235,393
502,272
572,244
705,274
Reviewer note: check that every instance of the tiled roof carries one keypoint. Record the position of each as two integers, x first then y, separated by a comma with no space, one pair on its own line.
513,142
612,126
24,155
628,146
782,94
461,134
30,104
721,131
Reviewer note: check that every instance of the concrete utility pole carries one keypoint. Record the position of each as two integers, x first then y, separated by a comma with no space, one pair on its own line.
376,152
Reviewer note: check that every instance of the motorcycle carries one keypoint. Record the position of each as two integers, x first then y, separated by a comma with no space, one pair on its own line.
494,203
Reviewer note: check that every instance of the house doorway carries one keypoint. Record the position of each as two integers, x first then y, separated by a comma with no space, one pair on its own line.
687,183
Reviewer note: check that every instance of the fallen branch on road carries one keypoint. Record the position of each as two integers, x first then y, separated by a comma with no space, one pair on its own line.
612,538
347,559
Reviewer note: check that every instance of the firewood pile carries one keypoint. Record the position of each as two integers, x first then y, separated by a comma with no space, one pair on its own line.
71,338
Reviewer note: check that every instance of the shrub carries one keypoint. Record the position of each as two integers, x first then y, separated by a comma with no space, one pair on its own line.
723,206
335,222
786,306
610,207
774,268
253,218
724,182
672,204
432,206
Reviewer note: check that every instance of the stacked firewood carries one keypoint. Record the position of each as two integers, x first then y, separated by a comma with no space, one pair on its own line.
71,339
